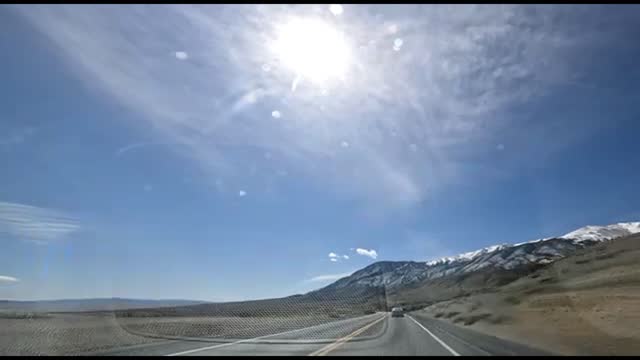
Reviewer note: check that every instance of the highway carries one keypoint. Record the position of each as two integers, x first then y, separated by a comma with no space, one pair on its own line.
372,335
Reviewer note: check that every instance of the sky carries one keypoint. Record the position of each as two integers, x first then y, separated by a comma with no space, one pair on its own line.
234,152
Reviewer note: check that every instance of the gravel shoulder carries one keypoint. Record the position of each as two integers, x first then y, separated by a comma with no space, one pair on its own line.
587,304
64,334
80,334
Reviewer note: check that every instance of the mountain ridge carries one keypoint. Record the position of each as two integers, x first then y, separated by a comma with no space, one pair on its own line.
91,304
507,260
411,284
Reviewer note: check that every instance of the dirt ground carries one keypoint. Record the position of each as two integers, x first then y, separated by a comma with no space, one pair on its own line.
588,304
64,335
77,334
219,327
585,304
590,322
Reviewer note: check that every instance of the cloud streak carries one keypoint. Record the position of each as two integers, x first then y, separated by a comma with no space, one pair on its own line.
130,147
31,223
17,136
445,90
328,277
8,279
125,149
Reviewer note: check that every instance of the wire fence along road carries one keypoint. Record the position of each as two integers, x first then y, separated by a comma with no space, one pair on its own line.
376,334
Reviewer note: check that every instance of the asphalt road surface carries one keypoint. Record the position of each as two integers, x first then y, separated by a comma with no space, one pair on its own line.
376,334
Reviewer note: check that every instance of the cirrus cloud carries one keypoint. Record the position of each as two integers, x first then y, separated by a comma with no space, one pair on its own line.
7,279
17,136
328,277
36,224
460,72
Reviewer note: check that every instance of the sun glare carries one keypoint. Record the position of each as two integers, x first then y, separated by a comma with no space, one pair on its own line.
313,50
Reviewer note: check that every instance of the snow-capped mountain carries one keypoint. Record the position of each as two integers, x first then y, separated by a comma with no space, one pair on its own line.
394,275
600,233
468,255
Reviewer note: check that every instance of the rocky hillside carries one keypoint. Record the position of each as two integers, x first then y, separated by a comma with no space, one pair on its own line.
472,271
410,283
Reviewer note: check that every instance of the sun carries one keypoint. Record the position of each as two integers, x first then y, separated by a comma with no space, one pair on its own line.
313,50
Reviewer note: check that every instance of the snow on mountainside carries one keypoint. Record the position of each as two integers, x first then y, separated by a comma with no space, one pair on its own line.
590,232
394,275
600,233
468,255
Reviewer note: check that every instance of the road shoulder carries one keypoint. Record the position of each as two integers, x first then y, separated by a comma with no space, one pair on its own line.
471,342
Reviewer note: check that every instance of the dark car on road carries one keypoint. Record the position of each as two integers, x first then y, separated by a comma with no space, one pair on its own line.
397,312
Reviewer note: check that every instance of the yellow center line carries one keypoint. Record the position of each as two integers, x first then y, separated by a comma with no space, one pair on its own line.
325,350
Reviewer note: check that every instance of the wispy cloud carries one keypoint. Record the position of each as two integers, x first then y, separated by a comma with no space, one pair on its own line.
125,149
365,252
328,277
7,279
333,257
410,114
35,224
17,136
130,147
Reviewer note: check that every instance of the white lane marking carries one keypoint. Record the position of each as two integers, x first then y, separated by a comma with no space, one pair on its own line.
325,350
464,341
253,339
435,337
222,345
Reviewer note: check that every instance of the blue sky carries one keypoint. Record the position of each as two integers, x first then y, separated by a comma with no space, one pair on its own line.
191,152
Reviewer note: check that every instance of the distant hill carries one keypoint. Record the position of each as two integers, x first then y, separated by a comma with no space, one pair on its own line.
412,283
95,304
